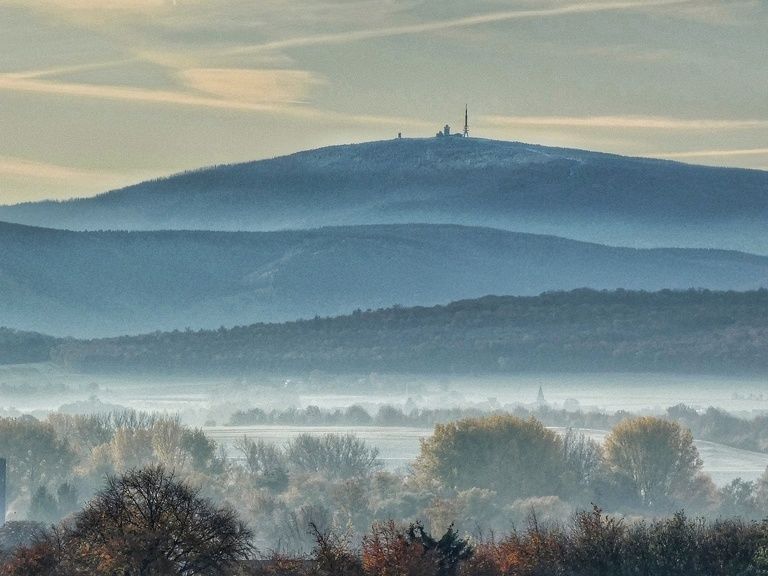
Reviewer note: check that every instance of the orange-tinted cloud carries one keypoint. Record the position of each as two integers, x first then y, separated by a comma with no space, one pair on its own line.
715,153
624,122
20,83
254,86
25,180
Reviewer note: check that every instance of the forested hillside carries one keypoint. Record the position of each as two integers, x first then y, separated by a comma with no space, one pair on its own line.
90,284
24,347
583,330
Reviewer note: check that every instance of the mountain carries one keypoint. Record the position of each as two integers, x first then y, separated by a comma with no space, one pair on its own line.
691,331
103,283
577,194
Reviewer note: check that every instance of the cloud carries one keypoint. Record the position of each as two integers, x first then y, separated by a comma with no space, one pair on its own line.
717,12
628,53
255,86
20,83
713,153
20,167
467,21
25,180
263,91
623,122
59,70
114,6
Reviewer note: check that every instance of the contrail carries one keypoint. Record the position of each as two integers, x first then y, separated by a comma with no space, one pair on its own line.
70,69
358,35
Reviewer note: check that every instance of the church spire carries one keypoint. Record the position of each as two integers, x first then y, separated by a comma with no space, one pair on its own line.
466,121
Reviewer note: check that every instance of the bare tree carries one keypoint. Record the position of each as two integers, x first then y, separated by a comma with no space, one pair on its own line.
333,553
334,455
265,462
147,523
583,458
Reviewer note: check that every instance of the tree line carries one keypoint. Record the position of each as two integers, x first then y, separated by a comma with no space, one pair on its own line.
17,347
712,424
149,523
484,474
697,331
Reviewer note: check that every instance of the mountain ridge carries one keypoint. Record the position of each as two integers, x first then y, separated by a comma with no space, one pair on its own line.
106,283
692,331
590,196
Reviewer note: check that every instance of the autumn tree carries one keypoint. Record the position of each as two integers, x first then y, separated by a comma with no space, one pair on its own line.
387,551
449,550
596,543
17,534
333,554
42,554
36,455
515,458
656,457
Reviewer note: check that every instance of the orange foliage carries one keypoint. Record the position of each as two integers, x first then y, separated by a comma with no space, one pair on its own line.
37,560
387,552
515,555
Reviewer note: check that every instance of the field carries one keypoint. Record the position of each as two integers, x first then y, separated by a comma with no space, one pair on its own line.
209,403
398,446
743,395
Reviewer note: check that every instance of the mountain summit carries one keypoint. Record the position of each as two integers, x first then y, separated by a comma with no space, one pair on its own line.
510,185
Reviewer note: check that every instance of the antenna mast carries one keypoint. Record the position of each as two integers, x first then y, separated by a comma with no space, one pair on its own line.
466,121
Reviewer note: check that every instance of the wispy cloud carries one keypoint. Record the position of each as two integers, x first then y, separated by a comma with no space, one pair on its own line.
20,83
255,86
717,12
467,21
628,53
11,166
624,122
24,180
713,153
60,70
264,92
124,6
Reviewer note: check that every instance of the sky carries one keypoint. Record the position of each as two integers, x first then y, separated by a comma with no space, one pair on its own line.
98,94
